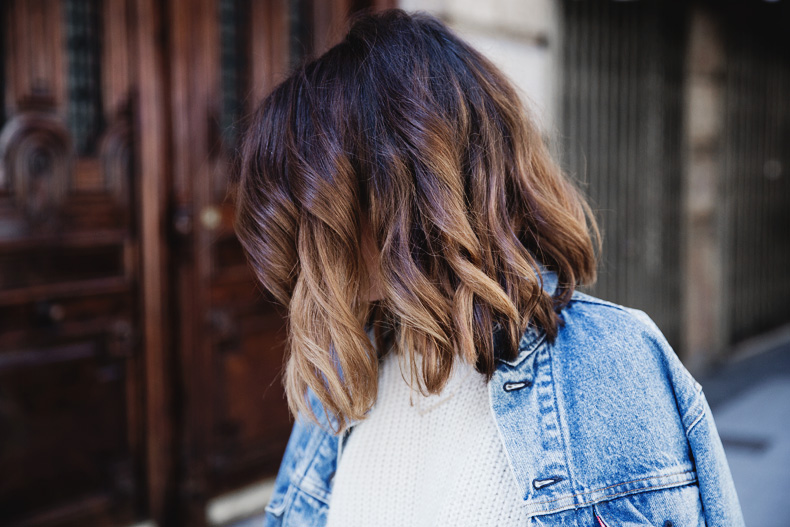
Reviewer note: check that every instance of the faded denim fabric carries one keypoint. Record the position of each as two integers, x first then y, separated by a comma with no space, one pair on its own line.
602,428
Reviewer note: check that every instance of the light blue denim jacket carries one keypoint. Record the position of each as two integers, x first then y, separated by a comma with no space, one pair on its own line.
602,428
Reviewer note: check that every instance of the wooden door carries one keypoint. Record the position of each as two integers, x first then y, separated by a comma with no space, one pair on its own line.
139,361
229,337
230,53
70,354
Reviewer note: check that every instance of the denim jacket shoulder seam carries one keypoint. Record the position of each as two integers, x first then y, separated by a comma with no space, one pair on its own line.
578,296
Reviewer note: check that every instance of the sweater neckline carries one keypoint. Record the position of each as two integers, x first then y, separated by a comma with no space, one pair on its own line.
425,404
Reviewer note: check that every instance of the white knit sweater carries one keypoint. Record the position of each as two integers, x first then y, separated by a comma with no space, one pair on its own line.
426,461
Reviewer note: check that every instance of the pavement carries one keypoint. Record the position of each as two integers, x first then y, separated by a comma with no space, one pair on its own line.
750,399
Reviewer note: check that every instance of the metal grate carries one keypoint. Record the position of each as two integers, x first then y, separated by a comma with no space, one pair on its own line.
756,186
233,18
83,48
621,126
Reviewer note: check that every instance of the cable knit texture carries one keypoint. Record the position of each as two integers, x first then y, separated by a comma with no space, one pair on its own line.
426,461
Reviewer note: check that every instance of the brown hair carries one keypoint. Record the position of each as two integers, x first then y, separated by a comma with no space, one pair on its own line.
405,126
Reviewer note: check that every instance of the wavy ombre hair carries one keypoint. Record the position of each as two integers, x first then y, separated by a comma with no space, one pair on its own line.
405,132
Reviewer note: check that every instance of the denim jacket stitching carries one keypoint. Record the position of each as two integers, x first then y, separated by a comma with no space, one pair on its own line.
698,402
560,423
537,336
578,296
619,494
526,347
278,508
299,477
696,421
620,484
310,490
302,466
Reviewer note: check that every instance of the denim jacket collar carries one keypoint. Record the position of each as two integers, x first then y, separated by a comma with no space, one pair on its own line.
531,339
534,335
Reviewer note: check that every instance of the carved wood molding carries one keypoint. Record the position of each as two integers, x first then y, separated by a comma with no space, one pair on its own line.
36,162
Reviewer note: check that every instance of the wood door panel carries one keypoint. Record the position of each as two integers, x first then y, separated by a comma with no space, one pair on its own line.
252,420
228,257
54,319
49,264
140,364
246,333
70,352
63,412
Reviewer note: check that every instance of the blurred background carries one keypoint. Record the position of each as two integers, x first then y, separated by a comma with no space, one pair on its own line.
139,364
